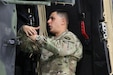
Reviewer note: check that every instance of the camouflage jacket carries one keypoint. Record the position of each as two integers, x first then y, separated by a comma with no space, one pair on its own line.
60,55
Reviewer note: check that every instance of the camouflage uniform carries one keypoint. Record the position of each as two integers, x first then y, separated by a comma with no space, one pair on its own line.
59,55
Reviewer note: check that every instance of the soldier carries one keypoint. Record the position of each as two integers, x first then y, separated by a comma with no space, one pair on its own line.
60,53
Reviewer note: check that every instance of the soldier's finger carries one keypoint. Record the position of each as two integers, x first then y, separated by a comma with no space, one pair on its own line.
34,31
37,27
27,33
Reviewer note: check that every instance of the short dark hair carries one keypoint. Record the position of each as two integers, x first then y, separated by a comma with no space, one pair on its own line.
63,13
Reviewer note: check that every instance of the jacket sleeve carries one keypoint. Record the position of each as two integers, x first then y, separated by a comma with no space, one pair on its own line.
67,45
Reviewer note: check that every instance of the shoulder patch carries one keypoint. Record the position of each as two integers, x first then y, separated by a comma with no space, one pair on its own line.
68,38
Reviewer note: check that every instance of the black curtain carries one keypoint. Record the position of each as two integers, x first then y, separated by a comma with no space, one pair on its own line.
25,65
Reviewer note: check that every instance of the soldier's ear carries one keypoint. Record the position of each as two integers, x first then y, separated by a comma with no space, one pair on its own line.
63,21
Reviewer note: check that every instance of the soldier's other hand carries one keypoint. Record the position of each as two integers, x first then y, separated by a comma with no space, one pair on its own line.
33,37
29,30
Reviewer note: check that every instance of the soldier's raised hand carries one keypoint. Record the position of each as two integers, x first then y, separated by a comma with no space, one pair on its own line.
29,30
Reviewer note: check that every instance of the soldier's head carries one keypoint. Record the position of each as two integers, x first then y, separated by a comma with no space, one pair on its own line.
58,21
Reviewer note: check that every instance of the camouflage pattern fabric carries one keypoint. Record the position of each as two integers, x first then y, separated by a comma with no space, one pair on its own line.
60,54
26,44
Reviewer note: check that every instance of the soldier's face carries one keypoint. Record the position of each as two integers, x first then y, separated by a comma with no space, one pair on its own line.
55,22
